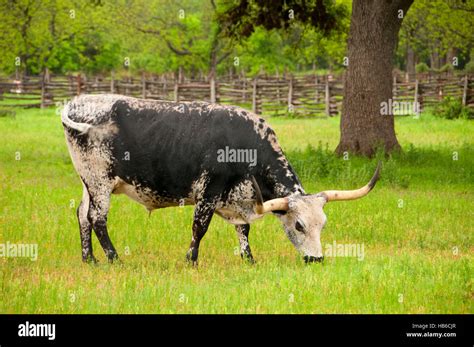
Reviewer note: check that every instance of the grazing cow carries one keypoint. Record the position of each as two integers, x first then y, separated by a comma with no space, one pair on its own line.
222,159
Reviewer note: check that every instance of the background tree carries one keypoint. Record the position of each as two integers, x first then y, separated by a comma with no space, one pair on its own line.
435,32
373,37
63,36
185,34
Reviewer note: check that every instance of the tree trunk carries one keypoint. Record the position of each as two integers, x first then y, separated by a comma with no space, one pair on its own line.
434,59
372,40
180,74
411,63
450,56
212,65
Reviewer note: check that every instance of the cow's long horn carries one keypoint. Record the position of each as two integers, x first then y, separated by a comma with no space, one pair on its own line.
339,195
279,204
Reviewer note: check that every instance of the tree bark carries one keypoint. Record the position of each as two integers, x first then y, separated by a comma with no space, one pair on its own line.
434,58
411,63
450,55
373,37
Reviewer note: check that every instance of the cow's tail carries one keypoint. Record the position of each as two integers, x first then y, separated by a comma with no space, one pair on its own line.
83,128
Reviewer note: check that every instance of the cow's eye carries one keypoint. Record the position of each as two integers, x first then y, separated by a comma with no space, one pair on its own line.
299,227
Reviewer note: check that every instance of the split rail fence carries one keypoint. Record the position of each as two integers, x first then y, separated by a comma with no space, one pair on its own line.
306,95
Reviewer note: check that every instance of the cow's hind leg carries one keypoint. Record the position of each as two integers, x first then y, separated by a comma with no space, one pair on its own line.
85,227
202,217
243,234
98,210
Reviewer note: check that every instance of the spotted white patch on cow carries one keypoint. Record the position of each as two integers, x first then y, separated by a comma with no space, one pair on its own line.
239,208
199,186
142,196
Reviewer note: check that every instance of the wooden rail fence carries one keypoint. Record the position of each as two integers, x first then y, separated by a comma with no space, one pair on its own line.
300,95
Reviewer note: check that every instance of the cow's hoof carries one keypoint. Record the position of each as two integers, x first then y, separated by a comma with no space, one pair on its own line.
190,262
248,259
90,260
115,260
311,259
192,256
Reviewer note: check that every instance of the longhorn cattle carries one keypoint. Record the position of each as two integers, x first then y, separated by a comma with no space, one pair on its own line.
221,159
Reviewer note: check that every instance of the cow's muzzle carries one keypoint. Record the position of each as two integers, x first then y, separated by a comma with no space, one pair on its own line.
312,259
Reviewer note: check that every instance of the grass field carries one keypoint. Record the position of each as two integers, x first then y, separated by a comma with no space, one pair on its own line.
416,228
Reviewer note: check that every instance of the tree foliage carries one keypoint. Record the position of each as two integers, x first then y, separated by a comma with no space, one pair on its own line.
164,36
438,31
202,37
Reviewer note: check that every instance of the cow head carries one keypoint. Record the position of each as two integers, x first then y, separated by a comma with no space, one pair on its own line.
303,217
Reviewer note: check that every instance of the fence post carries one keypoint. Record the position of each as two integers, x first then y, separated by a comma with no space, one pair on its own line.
47,75
84,84
464,91
43,89
278,86
418,96
78,80
212,84
394,88
439,87
180,74
143,86
176,91
327,98
290,94
316,91
123,81
165,88
70,86
112,82
416,91
254,96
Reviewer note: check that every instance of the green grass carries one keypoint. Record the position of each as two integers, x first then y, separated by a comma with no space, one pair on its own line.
27,99
410,261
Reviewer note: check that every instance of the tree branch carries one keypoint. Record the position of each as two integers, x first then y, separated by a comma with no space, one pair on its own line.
176,50
168,42
223,57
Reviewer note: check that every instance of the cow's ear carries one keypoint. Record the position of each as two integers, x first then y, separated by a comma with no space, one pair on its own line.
281,212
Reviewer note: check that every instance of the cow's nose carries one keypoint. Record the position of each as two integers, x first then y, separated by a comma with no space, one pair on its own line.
312,259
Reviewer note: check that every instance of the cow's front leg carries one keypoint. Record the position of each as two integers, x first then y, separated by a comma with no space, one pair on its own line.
202,217
243,234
